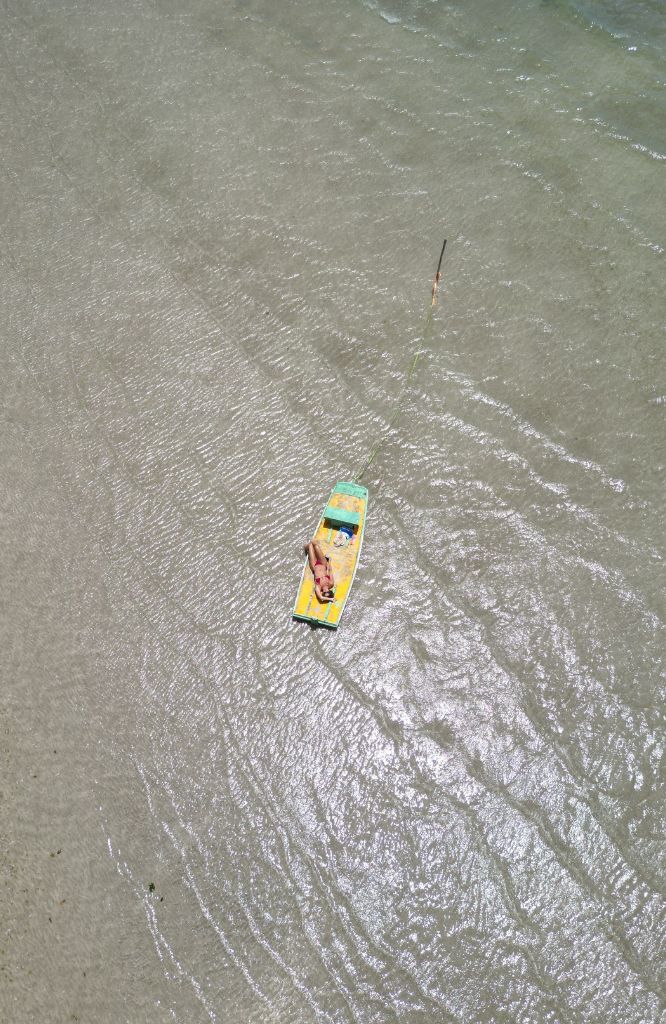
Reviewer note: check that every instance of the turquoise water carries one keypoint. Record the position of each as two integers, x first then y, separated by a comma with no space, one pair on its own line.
220,225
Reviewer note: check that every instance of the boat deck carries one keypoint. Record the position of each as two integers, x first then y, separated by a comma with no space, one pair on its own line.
351,499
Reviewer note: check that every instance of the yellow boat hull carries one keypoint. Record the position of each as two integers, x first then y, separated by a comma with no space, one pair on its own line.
340,533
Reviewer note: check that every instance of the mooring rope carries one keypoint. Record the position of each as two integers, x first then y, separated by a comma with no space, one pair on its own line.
398,402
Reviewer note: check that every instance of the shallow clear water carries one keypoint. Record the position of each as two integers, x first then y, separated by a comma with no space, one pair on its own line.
214,214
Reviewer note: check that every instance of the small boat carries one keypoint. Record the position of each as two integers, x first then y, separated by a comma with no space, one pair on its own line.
340,533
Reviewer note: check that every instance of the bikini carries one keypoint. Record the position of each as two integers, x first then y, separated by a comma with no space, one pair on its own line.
322,575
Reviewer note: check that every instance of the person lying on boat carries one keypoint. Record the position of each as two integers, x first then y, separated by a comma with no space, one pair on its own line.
322,571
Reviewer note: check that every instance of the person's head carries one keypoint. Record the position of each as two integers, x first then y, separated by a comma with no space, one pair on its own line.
329,593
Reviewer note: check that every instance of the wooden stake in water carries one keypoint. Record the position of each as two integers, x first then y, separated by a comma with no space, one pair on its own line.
438,276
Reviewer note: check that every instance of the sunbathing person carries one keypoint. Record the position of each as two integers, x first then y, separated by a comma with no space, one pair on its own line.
322,571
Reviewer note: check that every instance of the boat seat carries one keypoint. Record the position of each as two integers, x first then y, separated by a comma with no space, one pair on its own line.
341,515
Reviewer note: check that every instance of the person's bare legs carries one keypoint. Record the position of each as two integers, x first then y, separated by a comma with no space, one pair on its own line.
312,554
315,554
318,552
